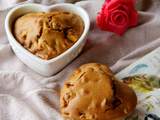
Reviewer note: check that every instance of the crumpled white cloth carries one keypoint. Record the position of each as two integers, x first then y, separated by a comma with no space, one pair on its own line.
26,95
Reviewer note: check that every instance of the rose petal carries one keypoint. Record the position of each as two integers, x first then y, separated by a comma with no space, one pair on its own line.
117,15
118,19
118,9
130,3
133,18
99,21
121,7
112,28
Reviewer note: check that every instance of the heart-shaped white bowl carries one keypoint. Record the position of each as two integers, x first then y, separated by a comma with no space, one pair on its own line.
46,67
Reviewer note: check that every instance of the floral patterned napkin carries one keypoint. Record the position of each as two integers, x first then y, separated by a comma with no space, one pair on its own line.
144,77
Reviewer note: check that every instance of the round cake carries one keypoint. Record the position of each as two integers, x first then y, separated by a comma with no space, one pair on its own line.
93,93
48,35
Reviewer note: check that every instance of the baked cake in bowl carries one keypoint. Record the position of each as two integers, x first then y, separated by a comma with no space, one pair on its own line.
47,38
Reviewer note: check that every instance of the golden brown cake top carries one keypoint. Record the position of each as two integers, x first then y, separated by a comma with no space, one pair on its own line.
92,92
48,35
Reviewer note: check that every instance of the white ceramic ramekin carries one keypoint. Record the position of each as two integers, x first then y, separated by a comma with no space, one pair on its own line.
46,67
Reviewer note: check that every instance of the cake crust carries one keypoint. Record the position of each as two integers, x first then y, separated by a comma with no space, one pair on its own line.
48,35
92,92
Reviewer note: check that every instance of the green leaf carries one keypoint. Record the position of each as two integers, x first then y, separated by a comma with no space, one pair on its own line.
148,97
152,106
148,108
136,118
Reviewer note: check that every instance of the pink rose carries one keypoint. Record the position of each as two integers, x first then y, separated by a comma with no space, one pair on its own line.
117,15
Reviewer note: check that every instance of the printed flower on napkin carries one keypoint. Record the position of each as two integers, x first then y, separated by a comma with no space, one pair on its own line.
117,15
